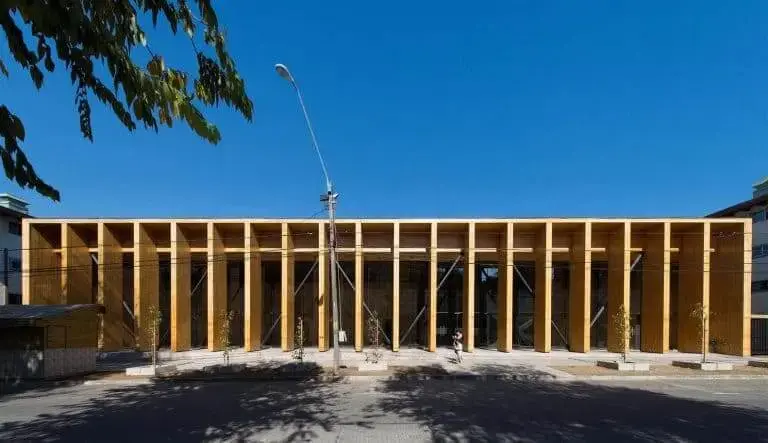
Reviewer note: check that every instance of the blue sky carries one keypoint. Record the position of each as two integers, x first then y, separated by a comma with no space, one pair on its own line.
439,109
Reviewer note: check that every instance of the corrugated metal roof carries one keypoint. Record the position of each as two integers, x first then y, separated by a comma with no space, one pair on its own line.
39,312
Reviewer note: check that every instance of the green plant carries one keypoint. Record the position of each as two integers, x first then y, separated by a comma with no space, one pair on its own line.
700,313
299,340
103,48
152,328
224,337
373,329
623,330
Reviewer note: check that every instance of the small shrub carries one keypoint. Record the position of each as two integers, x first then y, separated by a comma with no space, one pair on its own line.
623,330
224,337
299,340
374,354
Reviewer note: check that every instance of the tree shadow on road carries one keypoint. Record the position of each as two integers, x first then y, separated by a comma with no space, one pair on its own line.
190,411
537,410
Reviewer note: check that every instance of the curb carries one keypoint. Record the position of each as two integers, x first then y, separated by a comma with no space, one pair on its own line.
662,377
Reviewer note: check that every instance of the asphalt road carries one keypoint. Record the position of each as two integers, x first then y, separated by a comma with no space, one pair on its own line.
392,411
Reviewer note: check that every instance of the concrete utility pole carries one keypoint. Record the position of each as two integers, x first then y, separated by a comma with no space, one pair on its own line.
330,199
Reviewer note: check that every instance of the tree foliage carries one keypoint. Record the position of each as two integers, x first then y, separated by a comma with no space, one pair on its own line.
79,35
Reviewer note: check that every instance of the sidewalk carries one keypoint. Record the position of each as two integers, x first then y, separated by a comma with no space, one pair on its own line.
421,365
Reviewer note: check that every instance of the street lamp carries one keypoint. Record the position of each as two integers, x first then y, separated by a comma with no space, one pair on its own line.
330,199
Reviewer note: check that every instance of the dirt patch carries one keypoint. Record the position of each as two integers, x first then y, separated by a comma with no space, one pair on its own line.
660,370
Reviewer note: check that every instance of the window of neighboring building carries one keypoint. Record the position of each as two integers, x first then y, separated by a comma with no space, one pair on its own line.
760,251
760,285
14,228
14,265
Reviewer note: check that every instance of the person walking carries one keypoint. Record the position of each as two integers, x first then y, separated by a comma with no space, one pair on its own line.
457,344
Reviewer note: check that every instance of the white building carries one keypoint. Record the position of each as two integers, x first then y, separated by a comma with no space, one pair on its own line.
756,208
12,210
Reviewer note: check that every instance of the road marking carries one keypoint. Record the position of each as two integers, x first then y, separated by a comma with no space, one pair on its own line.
725,393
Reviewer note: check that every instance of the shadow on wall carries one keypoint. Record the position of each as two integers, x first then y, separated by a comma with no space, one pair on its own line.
554,411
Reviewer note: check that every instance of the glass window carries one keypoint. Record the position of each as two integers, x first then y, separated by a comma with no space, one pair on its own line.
760,251
758,216
14,228
14,265
760,285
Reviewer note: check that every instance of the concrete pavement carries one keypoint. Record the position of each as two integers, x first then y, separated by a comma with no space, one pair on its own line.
392,410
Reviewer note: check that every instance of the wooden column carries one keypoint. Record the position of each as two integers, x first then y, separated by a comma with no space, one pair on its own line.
146,283
468,310
505,298
287,316
579,298
654,316
359,282
181,290
323,294
76,263
217,287
730,304
693,287
253,290
542,322
40,280
110,290
618,280
432,301
396,287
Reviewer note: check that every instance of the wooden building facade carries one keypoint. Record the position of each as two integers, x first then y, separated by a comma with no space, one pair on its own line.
422,277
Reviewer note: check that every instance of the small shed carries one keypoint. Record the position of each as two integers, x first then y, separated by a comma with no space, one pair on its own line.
48,341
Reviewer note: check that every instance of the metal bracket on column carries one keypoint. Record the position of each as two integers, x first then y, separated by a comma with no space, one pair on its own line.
365,305
296,291
439,286
525,282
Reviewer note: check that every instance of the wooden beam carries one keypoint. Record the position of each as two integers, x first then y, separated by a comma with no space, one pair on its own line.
359,281
40,277
396,287
505,297
432,302
146,283
217,287
693,287
619,255
542,323
468,310
656,290
287,314
110,290
181,290
76,263
253,291
580,296
323,294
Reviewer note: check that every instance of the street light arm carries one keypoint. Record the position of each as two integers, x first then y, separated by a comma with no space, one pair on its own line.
328,185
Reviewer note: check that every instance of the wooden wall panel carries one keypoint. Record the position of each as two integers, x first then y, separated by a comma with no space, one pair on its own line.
359,282
287,267
619,263
396,287
432,284
579,297
76,263
112,331
216,285
40,284
505,297
693,286
468,308
542,323
730,309
656,291
181,287
146,283
253,291
323,292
